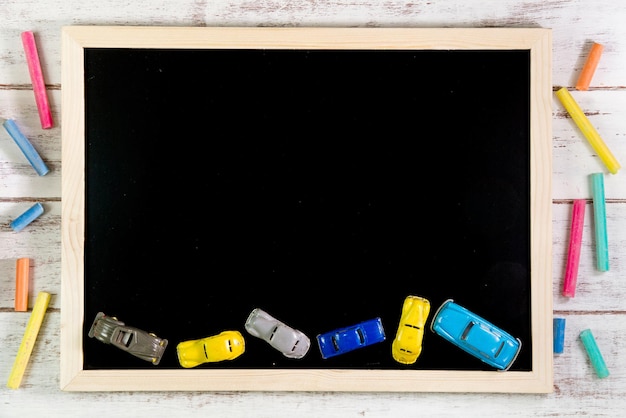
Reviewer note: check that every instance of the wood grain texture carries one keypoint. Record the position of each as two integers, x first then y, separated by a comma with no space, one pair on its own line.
600,302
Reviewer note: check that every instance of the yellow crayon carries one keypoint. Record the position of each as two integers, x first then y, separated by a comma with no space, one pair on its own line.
28,341
588,130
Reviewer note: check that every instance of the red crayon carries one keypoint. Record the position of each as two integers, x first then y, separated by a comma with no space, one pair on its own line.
573,253
36,77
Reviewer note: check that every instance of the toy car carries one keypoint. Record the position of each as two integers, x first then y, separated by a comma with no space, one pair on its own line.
291,342
475,335
344,340
407,346
227,345
142,344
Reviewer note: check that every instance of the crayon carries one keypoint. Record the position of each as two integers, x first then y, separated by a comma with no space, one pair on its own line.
599,218
27,217
558,331
584,79
573,252
36,77
27,148
595,356
28,341
21,284
588,130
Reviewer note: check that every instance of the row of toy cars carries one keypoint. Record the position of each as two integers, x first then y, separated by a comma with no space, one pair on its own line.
453,322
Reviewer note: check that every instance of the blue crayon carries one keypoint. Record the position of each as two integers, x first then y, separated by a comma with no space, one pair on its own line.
558,331
599,217
27,217
594,353
27,148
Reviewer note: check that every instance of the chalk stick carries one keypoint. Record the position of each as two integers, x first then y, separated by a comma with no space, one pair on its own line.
573,252
589,69
28,340
27,217
36,77
27,148
588,130
595,356
21,284
599,218
558,331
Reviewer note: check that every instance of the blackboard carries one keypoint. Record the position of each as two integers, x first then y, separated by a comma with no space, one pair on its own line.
322,175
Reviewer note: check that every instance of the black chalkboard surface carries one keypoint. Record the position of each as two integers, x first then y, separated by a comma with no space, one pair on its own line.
320,184
382,174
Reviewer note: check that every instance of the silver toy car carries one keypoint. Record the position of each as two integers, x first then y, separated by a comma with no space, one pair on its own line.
291,342
142,344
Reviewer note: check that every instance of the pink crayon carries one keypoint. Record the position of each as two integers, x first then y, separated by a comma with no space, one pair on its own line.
36,77
573,252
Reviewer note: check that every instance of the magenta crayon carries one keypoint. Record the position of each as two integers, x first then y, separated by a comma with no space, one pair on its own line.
36,77
573,252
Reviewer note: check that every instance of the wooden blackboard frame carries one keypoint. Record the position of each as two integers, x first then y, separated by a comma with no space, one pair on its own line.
75,39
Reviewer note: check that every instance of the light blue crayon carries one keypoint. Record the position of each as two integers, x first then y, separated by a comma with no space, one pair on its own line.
594,353
599,217
27,217
27,148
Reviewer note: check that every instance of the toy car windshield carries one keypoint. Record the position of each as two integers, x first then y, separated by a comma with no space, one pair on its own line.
139,343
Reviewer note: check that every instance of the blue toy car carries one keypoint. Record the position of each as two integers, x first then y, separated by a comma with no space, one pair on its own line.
475,335
346,339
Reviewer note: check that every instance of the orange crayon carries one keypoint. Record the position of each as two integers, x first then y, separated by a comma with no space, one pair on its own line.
590,67
21,284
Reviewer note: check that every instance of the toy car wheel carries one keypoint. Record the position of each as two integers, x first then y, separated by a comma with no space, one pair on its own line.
161,343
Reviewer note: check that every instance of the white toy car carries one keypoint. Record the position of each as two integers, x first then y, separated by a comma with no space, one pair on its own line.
291,342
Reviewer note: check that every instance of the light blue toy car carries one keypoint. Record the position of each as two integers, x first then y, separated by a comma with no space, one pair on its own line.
343,340
475,335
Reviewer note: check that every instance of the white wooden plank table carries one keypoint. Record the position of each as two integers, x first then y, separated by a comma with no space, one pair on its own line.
600,302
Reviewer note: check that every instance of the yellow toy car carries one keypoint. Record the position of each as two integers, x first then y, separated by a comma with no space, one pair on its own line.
227,345
407,346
